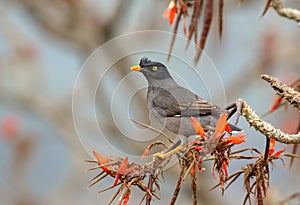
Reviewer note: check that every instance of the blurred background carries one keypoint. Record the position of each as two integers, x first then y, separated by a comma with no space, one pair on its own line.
43,45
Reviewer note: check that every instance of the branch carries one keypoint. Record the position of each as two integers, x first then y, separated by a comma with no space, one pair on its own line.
266,128
284,91
286,12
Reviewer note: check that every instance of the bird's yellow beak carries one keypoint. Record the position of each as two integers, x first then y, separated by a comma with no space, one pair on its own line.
135,68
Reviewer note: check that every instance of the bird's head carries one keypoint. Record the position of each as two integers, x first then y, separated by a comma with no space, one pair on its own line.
152,70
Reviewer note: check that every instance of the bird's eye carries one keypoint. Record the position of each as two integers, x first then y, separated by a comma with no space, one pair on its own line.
154,68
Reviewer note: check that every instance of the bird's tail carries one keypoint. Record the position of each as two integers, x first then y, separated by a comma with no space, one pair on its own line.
173,146
235,128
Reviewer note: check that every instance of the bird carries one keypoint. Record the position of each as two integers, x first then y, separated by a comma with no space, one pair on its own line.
173,105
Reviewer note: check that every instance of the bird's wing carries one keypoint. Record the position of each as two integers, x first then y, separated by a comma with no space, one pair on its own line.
182,102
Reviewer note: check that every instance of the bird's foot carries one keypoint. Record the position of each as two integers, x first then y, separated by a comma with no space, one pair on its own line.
164,155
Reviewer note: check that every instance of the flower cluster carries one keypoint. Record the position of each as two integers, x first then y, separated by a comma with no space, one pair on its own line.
125,175
215,146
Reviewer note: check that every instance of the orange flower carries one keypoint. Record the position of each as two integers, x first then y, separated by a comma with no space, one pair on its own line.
10,127
225,168
126,199
271,149
197,127
121,171
102,160
221,125
278,153
123,166
238,139
228,128
193,170
170,12
145,153
275,104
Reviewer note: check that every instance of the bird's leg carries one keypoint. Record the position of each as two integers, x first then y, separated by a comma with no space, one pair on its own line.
176,147
233,108
239,105
164,155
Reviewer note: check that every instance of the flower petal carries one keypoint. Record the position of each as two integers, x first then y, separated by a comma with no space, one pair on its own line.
228,128
275,104
278,153
221,125
272,144
193,170
145,153
126,198
100,159
238,139
10,127
197,127
123,166
116,180
170,12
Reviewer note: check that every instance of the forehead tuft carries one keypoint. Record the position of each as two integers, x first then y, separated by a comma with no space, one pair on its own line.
144,61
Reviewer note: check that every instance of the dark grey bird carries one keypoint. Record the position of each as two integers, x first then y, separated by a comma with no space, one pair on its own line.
173,105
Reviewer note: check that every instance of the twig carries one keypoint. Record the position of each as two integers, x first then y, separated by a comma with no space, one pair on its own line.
286,12
194,186
178,186
295,147
153,129
149,197
266,155
284,91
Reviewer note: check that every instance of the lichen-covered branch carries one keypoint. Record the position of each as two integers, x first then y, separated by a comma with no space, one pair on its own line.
266,128
286,12
284,91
